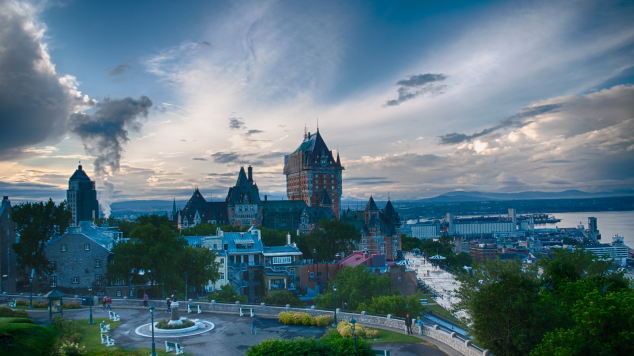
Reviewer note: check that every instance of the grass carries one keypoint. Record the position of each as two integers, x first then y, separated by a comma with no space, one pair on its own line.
444,313
22,337
391,336
91,339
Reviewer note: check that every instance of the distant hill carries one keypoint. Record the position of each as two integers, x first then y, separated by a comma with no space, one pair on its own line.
472,196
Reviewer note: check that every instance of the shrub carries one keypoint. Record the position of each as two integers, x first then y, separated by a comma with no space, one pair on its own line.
282,297
297,318
68,348
323,320
72,305
21,303
226,294
40,304
163,324
68,329
345,330
27,339
8,312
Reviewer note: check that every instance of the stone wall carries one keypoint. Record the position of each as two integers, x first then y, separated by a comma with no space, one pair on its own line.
451,339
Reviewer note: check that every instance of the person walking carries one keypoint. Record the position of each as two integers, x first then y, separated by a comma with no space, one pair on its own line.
408,323
419,321
108,303
103,302
169,304
146,298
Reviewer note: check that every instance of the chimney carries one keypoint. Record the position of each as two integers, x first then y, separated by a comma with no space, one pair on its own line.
288,238
250,175
266,197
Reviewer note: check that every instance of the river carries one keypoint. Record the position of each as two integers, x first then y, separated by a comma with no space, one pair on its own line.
609,223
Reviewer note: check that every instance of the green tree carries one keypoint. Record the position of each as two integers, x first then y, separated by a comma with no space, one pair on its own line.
502,300
396,305
354,285
198,266
603,325
226,294
329,238
272,237
282,297
203,229
36,223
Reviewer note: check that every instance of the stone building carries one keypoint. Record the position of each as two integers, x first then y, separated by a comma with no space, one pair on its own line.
378,228
8,273
244,207
82,197
80,257
312,171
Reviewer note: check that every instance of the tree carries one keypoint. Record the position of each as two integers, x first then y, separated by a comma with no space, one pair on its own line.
329,238
282,297
272,237
603,325
226,294
36,223
502,300
396,305
354,285
198,266
203,229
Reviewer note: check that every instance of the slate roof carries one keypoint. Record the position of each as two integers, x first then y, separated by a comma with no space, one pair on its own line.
288,249
371,205
99,235
79,174
233,238
244,192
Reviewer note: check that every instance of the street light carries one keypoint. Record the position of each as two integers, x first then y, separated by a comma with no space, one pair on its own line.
152,323
354,336
334,294
31,288
90,302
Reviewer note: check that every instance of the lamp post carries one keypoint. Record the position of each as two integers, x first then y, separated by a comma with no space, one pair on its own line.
334,295
354,336
90,302
31,288
152,323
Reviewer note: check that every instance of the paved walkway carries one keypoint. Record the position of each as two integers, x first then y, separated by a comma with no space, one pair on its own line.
231,336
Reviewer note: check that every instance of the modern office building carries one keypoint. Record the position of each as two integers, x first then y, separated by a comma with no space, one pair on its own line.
8,273
82,197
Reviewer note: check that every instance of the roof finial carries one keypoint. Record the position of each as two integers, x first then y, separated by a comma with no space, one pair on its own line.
305,131
318,124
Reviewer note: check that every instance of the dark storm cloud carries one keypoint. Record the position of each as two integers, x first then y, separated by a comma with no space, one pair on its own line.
520,119
199,159
119,69
369,180
225,157
417,85
253,132
236,123
35,101
271,155
106,130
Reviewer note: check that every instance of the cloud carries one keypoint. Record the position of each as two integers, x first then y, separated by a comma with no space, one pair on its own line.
225,157
119,69
253,132
199,159
236,123
35,100
417,85
106,130
518,120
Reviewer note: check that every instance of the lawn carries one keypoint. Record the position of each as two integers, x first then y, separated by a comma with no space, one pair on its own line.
391,336
444,313
91,339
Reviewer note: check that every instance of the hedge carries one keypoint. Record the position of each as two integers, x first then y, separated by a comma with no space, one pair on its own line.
301,318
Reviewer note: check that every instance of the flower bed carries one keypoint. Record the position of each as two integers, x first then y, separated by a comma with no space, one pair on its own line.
163,324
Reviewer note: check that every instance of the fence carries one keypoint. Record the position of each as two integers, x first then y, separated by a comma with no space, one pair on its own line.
436,332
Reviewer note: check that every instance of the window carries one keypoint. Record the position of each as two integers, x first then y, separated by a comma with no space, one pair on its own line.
53,281
63,248
87,246
75,280
311,275
281,260
131,292
97,263
98,279
118,293
53,265
222,275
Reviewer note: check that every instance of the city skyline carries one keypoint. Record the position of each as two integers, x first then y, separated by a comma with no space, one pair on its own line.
419,99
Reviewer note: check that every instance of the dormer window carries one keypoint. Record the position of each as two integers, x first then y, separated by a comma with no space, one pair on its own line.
63,248
86,247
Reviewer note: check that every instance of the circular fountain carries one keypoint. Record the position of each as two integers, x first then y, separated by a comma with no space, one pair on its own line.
176,326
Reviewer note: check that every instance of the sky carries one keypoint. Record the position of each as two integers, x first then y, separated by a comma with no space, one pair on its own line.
418,97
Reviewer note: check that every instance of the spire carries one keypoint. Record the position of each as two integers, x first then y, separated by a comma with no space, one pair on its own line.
338,160
305,132
242,177
317,125
371,204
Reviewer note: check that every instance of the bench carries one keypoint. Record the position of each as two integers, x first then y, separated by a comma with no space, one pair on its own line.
12,304
173,346
249,310
104,329
190,310
107,340
113,316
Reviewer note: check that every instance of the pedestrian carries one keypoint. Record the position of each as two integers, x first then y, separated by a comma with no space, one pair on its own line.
408,323
419,321
103,303
146,298
108,303
169,304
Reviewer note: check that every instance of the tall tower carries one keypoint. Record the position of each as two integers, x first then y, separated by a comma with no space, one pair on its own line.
82,197
312,171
